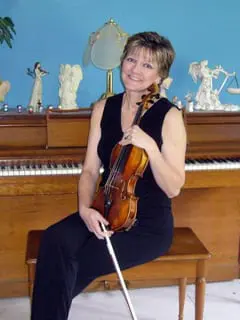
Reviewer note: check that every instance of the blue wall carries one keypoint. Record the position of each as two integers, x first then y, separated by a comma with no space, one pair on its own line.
57,31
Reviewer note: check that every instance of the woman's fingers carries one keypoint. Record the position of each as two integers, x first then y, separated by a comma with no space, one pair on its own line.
98,219
129,134
93,220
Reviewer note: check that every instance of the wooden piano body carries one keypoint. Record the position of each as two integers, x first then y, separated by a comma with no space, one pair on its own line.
209,202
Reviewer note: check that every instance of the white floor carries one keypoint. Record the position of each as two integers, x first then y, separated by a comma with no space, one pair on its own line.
222,303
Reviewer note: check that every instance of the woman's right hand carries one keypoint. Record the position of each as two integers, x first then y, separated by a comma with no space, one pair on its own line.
92,218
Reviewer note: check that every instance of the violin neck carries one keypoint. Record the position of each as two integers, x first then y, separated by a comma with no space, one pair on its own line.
125,150
138,115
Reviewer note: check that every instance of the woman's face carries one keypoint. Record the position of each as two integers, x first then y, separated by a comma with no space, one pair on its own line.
139,70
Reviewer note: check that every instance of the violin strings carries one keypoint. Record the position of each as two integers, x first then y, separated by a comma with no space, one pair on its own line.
117,165
122,156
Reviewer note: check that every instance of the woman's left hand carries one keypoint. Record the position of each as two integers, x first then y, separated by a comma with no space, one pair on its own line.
137,137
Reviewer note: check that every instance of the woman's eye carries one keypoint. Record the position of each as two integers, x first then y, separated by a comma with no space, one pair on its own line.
148,65
129,59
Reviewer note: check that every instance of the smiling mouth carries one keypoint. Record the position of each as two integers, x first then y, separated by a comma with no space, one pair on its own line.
133,78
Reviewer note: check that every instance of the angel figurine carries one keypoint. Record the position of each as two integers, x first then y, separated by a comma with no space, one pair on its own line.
165,86
207,98
37,74
69,79
4,88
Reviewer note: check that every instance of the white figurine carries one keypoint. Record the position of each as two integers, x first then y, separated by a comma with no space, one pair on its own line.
165,86
189,102
37,74
204,97
207,98
4,88
69,78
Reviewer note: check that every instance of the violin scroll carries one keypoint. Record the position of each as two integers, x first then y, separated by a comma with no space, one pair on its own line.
151,97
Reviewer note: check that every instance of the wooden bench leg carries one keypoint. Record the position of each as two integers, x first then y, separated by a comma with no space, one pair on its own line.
181,296
200,297
200,290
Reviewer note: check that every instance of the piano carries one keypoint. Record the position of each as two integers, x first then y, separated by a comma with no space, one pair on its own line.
41,158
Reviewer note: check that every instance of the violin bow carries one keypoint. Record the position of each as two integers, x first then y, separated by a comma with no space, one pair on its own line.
119,273
154,95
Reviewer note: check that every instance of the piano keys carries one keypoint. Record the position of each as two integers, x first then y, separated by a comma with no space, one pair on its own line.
40,169
41,157
212,164
33,168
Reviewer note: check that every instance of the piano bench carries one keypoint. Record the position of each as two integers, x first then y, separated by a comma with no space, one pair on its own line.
186,259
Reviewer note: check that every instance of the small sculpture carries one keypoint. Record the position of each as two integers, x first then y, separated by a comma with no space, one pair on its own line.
165,86
189,102
4,88
37,74
69,78
207,98
177,102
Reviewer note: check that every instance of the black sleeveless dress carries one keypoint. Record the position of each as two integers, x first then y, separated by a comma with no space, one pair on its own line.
71,256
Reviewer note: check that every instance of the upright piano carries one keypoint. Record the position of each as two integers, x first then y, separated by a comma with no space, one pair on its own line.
41,157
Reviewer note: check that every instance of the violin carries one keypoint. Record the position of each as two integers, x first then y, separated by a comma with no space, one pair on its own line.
116,200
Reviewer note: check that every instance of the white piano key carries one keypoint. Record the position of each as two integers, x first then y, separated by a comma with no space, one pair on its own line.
54,169
22,171
4,172
44,170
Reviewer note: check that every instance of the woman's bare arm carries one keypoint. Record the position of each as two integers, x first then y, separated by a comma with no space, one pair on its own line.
90,174
168,164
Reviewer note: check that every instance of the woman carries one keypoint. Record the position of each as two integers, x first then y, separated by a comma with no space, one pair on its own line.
72,253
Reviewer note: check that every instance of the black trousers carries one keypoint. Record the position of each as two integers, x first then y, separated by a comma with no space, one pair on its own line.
71,257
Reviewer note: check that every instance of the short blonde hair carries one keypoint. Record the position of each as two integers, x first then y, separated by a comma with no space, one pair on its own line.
160,47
